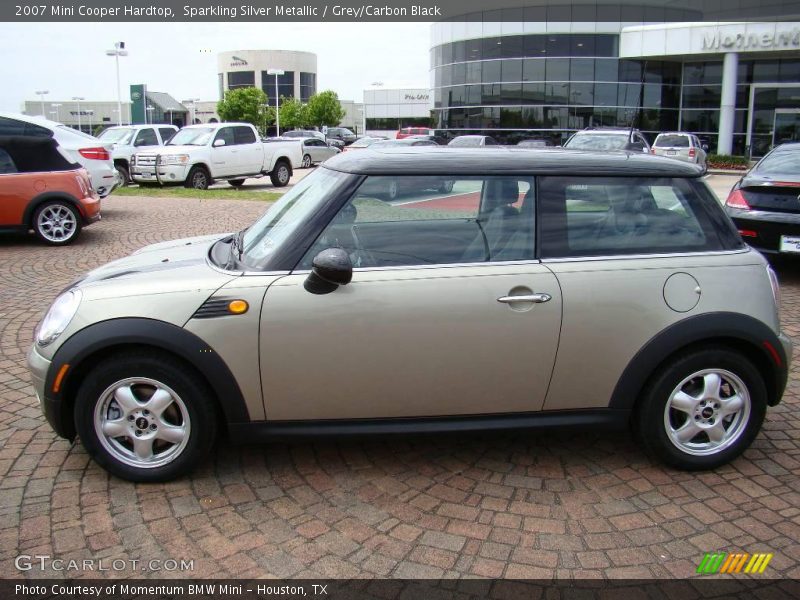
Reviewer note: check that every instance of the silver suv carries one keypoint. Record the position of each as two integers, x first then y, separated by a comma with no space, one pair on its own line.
517,289
681,146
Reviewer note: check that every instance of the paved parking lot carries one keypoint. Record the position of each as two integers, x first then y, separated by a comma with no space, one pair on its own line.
521,506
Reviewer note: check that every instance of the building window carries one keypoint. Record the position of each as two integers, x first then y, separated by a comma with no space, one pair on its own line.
308,86
285,85
240,79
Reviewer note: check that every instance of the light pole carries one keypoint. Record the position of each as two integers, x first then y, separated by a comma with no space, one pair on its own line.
78,100
363,112
41,94
56,111
89,113
119,50
276,72
192,104
149,110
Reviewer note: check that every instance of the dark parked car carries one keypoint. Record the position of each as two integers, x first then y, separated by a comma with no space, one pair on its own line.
342,134
765,203
608,139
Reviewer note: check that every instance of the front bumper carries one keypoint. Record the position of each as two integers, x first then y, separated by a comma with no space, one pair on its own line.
159,174
768,228
39,368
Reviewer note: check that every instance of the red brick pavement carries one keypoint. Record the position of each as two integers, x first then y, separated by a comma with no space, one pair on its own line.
475,505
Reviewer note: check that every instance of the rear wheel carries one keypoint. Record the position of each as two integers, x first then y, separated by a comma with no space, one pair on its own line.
57,223
145,417
236,182
702,410
198,178
306,161
446,187
280,174
392,190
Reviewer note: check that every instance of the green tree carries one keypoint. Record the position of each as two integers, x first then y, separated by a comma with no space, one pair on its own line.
324,109
293,113
247,105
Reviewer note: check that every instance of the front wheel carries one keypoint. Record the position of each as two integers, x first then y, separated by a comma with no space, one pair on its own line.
123,175
280,174
57,223
306,161
702,410
145,418
198,179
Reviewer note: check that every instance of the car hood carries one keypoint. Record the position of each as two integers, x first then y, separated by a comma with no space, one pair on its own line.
176,265
169,149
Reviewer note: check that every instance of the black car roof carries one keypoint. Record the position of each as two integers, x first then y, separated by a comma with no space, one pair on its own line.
440,160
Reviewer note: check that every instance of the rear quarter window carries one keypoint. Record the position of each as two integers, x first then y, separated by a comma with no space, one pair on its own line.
607,216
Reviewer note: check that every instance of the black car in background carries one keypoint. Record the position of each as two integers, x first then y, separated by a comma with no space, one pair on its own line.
765,203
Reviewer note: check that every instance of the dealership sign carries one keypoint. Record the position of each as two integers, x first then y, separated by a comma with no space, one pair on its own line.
416,97
743,40
238,62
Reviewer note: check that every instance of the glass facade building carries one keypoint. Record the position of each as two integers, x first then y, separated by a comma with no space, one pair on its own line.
512,82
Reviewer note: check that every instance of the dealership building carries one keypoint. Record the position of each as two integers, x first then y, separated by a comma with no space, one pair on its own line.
250,68
537,73
392,107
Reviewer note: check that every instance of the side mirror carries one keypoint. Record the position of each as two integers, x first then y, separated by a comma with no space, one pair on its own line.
329,269
219,142
705,147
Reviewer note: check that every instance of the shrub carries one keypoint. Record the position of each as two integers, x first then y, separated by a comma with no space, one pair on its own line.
726,161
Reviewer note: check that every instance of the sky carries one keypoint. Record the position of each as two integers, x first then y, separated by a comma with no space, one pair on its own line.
68,59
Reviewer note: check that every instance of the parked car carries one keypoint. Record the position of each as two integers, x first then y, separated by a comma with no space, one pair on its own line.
534,143
40,190
622,306
682,146
437,139
126,140
198,155
765,203
74,145
361,143
303,133
409,131
608,139
472,141
408,141
341,133
316,151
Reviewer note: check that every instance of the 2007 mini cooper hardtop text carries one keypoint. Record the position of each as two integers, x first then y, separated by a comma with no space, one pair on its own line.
429,289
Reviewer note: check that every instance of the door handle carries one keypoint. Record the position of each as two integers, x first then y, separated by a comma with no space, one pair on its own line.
535,298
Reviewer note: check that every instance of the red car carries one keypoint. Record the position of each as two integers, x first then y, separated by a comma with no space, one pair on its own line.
41,190
408,131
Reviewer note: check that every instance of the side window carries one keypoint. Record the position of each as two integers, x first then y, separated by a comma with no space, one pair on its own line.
243,135
146,137
11,127
7,165
430,220
226,133
591,216
166,133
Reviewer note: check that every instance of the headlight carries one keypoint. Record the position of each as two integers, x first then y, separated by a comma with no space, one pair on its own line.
173,159
58,317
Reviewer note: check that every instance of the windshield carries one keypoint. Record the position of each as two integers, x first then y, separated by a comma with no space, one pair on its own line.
121,135
672,141
598,141
464,142
284,217
192,136
781,162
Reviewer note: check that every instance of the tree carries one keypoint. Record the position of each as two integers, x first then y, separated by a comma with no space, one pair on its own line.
248,105
293,113
324,109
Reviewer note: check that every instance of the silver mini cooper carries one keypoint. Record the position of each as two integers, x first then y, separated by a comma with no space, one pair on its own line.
429,289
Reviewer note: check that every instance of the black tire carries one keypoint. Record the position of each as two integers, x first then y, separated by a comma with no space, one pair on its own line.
123,174
306,161
393,191
281,174
199,178
650,419
168,371
236,182
446,187
56,222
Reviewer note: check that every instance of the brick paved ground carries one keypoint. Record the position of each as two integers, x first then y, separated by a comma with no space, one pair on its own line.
496,506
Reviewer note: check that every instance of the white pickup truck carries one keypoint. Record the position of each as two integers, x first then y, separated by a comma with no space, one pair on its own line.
127,140
200,154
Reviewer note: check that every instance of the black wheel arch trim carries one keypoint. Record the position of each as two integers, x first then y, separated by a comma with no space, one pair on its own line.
743,330
129,332
46,197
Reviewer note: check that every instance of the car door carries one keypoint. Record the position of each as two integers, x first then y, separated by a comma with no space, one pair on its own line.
249,150
429,325
15,191
224,157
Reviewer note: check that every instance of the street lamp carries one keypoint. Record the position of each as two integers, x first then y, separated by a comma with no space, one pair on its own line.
41,94
191,102
56,111
119,50
276,72
363,112
150,110
89,113
78,100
